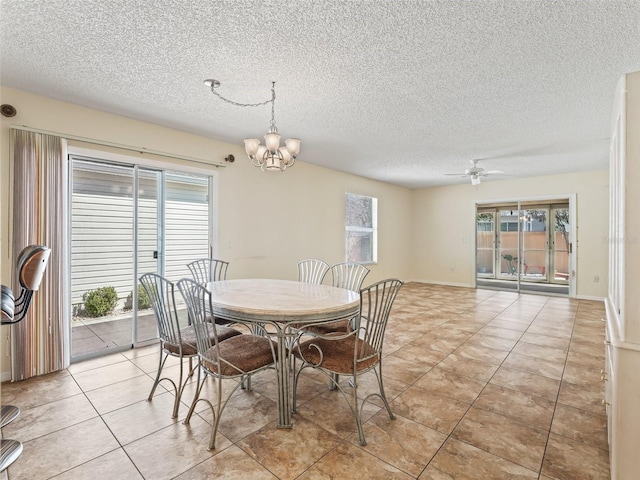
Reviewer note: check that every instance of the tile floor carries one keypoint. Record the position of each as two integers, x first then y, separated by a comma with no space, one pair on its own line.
485,385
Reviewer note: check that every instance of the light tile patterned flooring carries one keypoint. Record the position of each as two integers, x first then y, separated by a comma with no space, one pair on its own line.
484,384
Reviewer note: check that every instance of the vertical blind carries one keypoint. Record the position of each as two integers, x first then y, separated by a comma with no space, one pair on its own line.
39,342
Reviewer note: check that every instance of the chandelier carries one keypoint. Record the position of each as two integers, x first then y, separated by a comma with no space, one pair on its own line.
270,156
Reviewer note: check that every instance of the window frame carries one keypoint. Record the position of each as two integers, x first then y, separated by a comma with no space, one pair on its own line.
373,230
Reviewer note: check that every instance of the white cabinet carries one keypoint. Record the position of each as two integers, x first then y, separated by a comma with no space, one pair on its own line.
622,364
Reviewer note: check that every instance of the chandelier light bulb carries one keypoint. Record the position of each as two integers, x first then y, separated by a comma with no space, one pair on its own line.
251,145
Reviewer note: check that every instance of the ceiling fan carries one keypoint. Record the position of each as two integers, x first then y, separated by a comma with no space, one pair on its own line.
475,172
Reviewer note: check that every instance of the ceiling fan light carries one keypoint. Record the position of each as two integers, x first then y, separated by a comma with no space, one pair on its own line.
475,180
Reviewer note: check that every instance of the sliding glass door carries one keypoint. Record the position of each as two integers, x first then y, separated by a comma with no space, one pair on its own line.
523,243
129,220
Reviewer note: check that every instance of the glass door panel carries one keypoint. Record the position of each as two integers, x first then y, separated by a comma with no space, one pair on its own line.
102,219
187,227
561,242
485,244
534,255
508,244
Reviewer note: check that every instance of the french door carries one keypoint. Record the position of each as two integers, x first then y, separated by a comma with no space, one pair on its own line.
526,242
127,220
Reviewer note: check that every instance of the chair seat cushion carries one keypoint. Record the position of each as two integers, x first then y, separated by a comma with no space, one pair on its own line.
188,336
240,354
341,326
337,355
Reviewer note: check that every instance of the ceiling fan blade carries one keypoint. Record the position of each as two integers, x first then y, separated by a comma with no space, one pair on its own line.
494,172
457,174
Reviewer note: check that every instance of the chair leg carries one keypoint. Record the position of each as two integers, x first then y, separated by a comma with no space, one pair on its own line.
161,360
382,394
358,412
334,379
182,385
245,382
196,395
217,414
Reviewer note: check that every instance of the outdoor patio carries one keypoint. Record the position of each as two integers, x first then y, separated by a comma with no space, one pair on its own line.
89,335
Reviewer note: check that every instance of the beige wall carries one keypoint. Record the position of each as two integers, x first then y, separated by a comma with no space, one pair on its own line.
449,258
267,222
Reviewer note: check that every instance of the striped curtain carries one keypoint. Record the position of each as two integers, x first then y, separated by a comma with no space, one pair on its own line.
40,343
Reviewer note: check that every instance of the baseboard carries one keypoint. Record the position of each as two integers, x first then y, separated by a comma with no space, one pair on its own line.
5,376
447,284
590,297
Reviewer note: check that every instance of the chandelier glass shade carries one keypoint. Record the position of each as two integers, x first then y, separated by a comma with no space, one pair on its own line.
270,156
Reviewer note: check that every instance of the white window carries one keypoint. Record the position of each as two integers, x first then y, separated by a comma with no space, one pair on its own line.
361,229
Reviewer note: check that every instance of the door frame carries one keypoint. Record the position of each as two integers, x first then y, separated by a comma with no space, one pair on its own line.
569,198
158,164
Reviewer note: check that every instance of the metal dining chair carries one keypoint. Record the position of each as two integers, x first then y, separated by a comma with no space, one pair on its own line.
176,340
31,264
237,357
349,275
312,270
208,270
353,352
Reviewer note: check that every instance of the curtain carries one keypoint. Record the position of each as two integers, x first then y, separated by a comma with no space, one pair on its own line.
40,344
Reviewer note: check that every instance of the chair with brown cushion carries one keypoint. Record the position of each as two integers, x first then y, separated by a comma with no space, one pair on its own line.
312,270
355,351
176,340
208,270
237,357
349,275
31,264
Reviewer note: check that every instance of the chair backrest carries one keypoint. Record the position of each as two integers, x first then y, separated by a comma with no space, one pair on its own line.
349,275
31,264
312,270
208,270
161,294
375,305
198,302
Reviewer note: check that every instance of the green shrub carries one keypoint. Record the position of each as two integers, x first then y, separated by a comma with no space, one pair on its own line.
100,302
143,299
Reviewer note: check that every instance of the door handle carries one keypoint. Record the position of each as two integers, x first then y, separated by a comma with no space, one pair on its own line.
155,254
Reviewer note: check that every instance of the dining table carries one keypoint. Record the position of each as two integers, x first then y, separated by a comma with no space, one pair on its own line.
287,306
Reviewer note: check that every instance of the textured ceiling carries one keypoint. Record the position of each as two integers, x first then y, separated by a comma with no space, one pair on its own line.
398,91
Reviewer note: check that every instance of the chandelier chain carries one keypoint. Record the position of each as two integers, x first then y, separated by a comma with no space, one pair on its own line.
273,104
238,104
